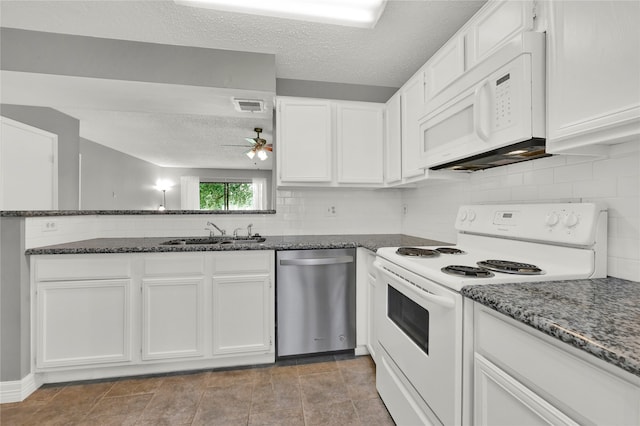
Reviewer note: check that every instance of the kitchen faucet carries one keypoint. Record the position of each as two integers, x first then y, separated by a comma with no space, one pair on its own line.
235,231
222,231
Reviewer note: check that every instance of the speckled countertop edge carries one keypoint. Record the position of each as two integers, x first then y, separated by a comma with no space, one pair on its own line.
599,316
277,242
44,213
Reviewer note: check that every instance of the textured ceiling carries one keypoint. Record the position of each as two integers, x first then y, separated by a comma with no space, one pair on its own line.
133,120
406,35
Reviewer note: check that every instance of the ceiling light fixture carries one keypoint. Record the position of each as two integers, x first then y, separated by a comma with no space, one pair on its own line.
354,13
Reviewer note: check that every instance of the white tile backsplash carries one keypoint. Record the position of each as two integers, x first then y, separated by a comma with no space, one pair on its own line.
298,212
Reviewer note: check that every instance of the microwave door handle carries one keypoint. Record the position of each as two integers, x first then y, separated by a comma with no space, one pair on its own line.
477,112
443,301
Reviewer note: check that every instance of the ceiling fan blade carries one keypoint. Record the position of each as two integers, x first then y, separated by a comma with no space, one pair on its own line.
268,147
250,140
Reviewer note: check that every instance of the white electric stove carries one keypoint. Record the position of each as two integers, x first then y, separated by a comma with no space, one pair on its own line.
420,374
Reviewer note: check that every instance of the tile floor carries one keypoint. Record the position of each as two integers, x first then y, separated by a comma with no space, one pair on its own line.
321,391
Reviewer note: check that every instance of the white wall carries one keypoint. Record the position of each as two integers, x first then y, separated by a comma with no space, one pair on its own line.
613,181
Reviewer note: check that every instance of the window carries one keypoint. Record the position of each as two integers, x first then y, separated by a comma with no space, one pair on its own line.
226,196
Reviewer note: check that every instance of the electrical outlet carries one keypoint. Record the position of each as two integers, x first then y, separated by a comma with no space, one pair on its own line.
49,226
330,211
405,209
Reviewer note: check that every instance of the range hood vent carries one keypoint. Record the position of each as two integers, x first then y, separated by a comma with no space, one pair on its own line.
248,105
523,151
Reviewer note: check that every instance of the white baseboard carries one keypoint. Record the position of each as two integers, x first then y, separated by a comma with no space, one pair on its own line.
17,390
361,350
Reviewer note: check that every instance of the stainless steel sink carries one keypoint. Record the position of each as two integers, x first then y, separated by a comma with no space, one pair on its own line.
214,240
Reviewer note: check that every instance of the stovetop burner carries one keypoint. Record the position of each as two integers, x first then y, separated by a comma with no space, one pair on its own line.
416,252
467,271
449,250
510,267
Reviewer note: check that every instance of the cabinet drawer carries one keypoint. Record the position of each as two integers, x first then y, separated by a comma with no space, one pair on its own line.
581,390
81,267
243,262
174,264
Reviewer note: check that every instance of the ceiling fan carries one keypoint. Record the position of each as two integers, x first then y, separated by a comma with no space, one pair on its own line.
260,146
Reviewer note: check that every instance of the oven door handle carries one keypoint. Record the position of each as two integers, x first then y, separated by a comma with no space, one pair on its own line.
443,301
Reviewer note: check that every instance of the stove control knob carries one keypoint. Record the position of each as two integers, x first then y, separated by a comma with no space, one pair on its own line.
472,215
570,220
463,215
552,219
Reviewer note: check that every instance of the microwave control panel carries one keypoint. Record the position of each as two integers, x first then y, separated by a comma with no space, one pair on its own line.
503,112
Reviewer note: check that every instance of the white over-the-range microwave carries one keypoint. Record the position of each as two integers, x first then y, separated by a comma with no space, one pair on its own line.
493,114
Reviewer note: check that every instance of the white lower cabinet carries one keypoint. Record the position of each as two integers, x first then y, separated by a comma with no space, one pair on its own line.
172,318
366,338
500,400
522,376
242,314
83,322
146,313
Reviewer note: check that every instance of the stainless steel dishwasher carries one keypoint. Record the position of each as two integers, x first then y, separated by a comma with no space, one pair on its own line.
316,301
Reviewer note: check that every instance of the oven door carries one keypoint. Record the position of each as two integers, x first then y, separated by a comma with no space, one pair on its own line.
421,331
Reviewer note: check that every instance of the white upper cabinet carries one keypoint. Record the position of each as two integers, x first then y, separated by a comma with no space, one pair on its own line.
329,143
445,66
412,98
304,144
593,74
359,142
494,26
393,141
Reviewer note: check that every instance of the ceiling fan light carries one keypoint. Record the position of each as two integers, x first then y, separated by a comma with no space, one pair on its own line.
251,154
262,154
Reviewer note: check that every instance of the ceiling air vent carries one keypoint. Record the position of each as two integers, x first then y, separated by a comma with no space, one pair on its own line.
248,105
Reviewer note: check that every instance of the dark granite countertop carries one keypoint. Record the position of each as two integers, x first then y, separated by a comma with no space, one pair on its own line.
278,242
599,316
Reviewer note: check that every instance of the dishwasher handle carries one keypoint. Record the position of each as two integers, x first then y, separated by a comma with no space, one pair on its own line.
317,261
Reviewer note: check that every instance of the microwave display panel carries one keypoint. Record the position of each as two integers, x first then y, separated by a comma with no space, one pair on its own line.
503,79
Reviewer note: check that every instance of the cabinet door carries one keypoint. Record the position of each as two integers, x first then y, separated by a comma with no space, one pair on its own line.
172,318
372,338
494,26
593,73
393,140
412,100
242,314
499,399
304,140
359,142
445,66
83,322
